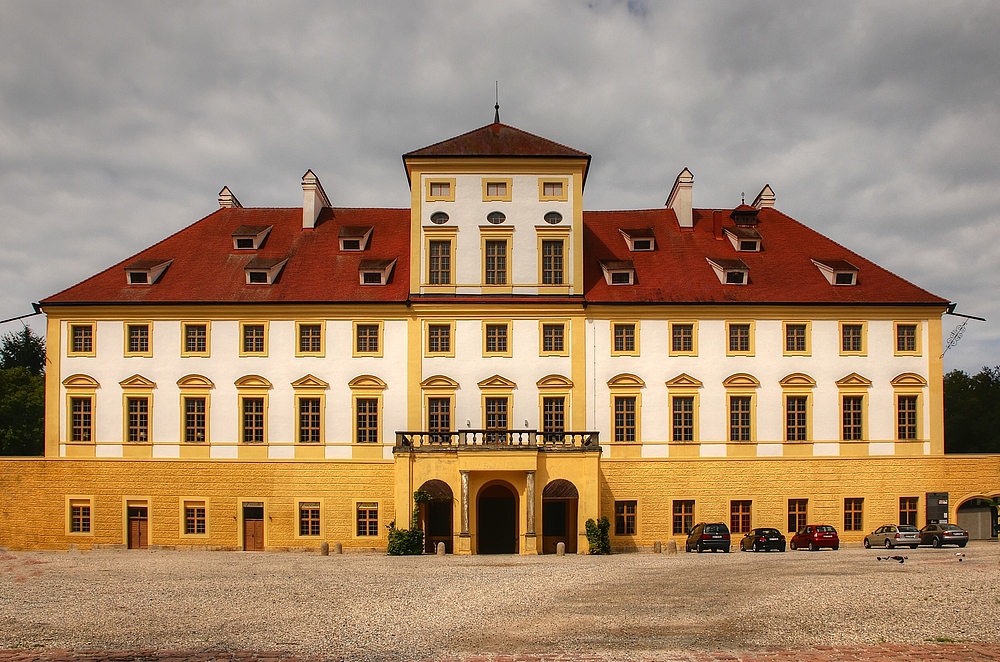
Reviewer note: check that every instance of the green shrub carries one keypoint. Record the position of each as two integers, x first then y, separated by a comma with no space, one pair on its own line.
597,536
408,542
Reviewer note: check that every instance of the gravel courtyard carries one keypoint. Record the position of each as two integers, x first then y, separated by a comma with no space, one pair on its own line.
367,606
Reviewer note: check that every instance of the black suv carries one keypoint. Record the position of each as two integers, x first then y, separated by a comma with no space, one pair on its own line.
704,536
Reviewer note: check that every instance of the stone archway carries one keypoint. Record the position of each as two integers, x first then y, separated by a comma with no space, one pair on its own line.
436,516
496,519
560,499
978,517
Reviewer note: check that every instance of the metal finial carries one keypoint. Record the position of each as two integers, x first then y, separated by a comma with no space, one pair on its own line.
743,197
496,116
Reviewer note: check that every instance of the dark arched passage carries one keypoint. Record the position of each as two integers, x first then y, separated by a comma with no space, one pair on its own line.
436,516
559,512
496,519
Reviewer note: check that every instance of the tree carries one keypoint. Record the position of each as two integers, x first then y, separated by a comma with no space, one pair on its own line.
972,411
22,394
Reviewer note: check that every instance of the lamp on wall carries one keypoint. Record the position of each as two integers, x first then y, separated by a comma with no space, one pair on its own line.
468,423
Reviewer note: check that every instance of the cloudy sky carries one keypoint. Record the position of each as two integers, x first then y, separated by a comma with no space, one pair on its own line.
876,123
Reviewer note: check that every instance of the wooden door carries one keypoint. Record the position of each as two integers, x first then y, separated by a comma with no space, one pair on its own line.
138,528
253,528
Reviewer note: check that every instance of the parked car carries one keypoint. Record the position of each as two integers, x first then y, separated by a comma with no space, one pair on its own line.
708,535
763,540
815,536
893,535
936,535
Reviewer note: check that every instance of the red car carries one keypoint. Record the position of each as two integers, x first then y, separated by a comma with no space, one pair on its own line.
815,536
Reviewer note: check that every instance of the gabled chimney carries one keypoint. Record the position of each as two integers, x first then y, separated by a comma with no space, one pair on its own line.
313,200
765,198
680,198
227,200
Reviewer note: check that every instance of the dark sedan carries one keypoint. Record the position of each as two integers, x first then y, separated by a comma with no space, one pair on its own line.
763,540
937,535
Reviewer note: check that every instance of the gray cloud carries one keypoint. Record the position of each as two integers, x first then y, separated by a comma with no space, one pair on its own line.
877,123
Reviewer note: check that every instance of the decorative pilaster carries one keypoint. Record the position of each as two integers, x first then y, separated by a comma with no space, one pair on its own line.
465,503
529,497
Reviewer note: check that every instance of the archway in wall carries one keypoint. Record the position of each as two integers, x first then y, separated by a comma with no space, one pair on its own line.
496,519
979,518
436,516
559,511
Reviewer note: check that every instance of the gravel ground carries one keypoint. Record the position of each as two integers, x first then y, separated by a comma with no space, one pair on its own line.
373,607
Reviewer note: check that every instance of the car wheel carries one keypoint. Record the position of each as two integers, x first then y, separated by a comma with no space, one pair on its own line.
792,545
935,542
913,546
725,550
887,544
835,547
699,548
812,547
756,548
868,544
961,544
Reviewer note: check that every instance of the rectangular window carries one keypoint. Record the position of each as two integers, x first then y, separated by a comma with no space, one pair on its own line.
625,518
906,417
739,337
908,510
368,519
194,420
439,414
496,189
496,262
439,264
853,514
79,517
795,338
438,339
739,516
367,420
309,519
367,338
683,412
309,420
552,263
552,189
851,337
797,514
138,419
253,420
496,419
739,418
553,418
195,338
83,339
682,337
553,337
371,277
82,419
194,518
625,418
440,189
624,338
853,422
496,338
796,428
310,338
253,338
906,338
683,517
138,338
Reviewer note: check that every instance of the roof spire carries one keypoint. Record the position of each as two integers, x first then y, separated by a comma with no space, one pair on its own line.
743,197
496,116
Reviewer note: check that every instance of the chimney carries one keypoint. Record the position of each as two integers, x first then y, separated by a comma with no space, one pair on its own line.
313,200
680,198
227,200
717,217
765,198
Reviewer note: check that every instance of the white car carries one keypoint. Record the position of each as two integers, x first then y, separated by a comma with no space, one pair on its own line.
893,535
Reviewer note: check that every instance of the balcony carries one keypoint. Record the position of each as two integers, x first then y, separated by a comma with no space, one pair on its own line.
531,440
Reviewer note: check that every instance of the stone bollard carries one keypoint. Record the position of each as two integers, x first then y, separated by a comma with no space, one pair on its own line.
324,549
657,547
440,549
338,548
671,547
560,549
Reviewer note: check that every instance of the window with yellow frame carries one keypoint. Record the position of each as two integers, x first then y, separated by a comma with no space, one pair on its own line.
81,339
138,339
553,189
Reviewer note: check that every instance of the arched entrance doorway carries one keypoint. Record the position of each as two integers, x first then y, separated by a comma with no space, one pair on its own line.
436,516
979,518
496,519
559,509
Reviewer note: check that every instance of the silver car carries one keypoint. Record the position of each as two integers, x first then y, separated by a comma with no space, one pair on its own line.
893,535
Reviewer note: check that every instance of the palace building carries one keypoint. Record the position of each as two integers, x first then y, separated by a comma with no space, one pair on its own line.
273,378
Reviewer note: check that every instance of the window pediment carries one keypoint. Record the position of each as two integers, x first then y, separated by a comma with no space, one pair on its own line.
797,379
554,381
81,381
367,381
195,381
439,381
252,381
684,380
496,381
740,380
310,381
908,379
626,380
854,379
137,381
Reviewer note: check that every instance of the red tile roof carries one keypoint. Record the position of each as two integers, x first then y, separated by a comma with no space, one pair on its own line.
497,140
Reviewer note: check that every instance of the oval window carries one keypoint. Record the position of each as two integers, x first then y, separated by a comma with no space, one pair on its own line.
439,218
496,217
553,218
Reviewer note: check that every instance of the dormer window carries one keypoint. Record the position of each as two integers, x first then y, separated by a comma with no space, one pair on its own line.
354,238
439,218
264,271
553,218
250,237
145,272
838,272
639,239
730,272
496,217
745,215
618,272
375,272
744,239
